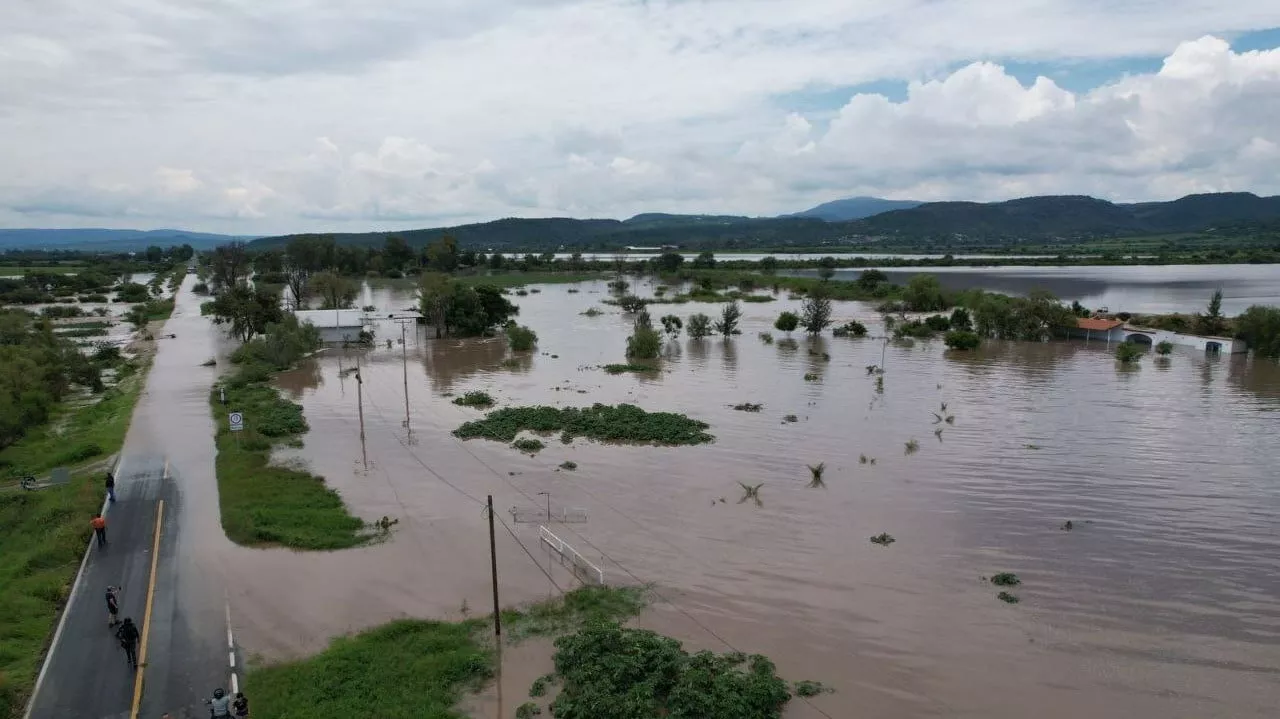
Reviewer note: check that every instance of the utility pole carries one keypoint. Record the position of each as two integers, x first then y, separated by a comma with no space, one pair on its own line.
548,506
493,565
404,363
360,396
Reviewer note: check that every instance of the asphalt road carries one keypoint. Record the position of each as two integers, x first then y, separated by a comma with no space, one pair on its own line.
165,476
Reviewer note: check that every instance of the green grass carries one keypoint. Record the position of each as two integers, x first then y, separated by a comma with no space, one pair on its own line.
606,423
629,367
414,669
264,504
43,534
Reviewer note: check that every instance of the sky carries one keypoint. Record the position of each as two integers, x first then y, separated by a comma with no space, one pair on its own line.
250,117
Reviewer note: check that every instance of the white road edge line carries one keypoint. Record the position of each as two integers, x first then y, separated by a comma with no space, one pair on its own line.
231,647
62,619
235,684
232,658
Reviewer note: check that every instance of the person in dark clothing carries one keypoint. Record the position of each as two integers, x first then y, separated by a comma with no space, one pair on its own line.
111,486
113,606
99,524
128,636
240,706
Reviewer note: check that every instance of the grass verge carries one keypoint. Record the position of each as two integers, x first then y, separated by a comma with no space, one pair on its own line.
43,534
414,669
266,504
606,423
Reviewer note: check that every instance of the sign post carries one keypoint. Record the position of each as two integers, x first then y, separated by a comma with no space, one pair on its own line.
236,420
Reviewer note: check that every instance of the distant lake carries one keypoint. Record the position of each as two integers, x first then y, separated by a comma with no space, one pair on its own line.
1147,289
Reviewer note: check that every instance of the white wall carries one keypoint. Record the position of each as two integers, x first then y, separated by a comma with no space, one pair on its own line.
1196,342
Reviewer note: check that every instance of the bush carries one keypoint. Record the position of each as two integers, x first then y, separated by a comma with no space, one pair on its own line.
644,343
852,328
474,399
529,445
57,312
133,292
937,323
1128,352
787,322
1164,348
521,338
962,340
631,303
728,323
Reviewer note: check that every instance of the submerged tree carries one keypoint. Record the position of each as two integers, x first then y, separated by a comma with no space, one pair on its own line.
1128,352
1259,327
727,325
335,291
815,312
644,342
671,325
1212,322
815,475
698,326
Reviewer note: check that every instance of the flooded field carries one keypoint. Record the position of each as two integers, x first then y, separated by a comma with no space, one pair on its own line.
1161,601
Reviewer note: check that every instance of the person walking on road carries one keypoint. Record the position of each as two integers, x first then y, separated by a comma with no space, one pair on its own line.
128,636
99,525
220,705
113,606
111,486
240,706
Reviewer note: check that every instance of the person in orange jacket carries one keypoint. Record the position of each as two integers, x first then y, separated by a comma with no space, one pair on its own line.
99,524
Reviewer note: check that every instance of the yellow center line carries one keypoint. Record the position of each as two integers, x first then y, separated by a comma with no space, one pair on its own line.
146,617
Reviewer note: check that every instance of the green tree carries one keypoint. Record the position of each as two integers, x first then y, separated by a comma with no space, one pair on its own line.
669,261
228,264
1212,323
769,265
154,254
247,311
962,340
631,303
672,325
476,311
698,326
496,261
815,311
442,255
705,261
923,293
727,325
960,319
869,280
826,268
335,291
1259,327
520,338
397,252
644,342
435,297
137,316
787,322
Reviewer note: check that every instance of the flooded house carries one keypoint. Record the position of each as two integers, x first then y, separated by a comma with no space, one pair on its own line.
335,326
1113,330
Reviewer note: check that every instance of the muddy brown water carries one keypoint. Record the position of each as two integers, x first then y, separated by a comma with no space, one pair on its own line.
1160,602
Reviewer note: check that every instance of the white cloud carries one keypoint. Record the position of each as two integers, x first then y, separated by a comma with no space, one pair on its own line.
297,115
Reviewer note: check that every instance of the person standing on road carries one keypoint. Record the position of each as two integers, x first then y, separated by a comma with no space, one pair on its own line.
111,486
113,606
99,525
220,705
128,636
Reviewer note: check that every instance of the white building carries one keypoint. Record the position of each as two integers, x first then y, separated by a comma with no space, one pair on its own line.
335,325
1117,331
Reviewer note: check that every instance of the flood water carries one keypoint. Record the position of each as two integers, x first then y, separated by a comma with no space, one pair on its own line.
1160,602
1152,289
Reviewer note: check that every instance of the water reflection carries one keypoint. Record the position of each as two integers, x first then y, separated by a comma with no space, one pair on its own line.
449,361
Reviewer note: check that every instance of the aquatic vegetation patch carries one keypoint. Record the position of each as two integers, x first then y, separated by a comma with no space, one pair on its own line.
604,423
628,367
807,688
1008,598
811,377
528,710
790,418
569,465
884,539
474,399
1006,579
607,665
815,475
532,446
911,446
748,407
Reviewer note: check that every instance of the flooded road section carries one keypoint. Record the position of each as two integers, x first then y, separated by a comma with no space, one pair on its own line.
1161,601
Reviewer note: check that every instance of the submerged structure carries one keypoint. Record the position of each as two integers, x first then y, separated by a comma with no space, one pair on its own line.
1109,330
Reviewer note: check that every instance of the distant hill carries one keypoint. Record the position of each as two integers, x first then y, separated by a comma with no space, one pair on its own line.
108,240
854,208
1068,217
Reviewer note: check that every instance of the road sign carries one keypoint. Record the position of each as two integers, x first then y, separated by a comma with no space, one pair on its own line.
237,421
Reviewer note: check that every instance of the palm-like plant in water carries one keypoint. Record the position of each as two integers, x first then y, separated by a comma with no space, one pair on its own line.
815,475
751,492
911,446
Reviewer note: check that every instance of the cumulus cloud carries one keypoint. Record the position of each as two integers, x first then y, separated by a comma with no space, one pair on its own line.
301,115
